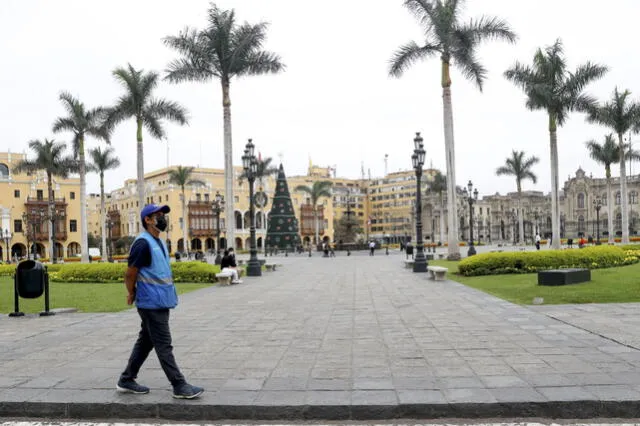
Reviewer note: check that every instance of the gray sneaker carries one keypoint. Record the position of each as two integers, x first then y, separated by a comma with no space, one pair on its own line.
131,386
187,391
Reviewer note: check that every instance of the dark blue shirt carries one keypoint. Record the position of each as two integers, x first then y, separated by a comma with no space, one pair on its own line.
140,253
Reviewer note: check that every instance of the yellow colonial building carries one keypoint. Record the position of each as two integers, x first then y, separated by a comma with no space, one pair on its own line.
24,213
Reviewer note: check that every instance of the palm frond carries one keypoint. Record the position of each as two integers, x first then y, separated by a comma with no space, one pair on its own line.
153,126
64,123
257,63
169,110
489,28
407,55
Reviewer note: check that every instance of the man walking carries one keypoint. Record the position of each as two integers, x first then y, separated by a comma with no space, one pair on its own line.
372,248
150,285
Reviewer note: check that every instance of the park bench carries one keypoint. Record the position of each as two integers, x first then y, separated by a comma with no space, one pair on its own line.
440,255
437,273
408,263
270,266
224,277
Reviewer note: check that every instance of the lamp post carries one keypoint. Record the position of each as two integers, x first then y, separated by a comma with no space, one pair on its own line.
218,207
250,164
597,204
471,196
417,158
6,237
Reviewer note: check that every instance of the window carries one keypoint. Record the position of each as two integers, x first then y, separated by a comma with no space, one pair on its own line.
72,195
166,197
604,198
17,225
73,225
618,219
580,223
480,211
236,199
16,193
633,197
39,195
4,171
617,198
581,201
206,197
198,198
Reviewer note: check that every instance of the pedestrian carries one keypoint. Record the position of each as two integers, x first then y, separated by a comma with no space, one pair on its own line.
332,252
537,241
229,264
150,285
372,248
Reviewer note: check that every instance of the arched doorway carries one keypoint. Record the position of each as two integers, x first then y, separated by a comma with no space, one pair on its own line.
306,240
168,242
238,243
41,251
247,221
18,250
73,249
238,217
210,244
259,242
223,242
58,251
259,221
247,243
196,244
181,245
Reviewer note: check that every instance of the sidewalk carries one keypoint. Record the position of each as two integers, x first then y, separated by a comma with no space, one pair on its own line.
354,337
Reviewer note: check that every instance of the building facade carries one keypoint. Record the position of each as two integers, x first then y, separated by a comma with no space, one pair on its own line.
25,216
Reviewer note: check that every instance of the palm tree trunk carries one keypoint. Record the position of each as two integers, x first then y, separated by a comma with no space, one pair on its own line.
83,203
623,193
315,221
610,230
555,204
441,219
520,217
228,162
453,250
185,244
103,219
141,186
52,207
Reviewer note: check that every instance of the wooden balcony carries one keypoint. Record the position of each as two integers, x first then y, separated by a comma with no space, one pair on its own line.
44,202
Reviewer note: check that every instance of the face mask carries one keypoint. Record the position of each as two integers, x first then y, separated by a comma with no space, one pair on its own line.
161,223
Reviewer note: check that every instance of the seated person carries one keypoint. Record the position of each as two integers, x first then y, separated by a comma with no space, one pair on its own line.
228,263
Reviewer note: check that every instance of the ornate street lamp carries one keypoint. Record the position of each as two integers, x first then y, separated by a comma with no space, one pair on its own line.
6,237
250,164
417,159
218,207
471,196
597,204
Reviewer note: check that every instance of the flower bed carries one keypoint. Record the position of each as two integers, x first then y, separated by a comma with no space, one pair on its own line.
595,257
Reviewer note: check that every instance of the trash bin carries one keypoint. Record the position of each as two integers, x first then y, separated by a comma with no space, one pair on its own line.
30,279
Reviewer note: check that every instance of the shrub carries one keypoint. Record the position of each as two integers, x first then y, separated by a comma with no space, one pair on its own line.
183,272
594,257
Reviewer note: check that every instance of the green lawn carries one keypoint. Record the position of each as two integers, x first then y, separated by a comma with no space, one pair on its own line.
612,285
108,297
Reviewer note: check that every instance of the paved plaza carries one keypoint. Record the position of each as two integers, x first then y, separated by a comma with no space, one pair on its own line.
354,337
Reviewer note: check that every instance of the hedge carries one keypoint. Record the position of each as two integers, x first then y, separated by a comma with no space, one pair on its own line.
594,257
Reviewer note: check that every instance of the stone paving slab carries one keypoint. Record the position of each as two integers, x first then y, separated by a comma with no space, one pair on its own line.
327,338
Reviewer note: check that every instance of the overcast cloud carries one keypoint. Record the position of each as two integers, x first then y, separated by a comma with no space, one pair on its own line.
335,102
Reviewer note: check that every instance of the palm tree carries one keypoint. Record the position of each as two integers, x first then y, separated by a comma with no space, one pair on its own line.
319,190
446,35
181,176
222,50
101,162
50,157
438,186
621,115
519,167
138,103
549,86
81,122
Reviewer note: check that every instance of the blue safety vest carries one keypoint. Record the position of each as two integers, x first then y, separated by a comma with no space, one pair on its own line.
154,286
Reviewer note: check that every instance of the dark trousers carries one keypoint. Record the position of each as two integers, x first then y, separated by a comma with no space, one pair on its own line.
154,334
371,250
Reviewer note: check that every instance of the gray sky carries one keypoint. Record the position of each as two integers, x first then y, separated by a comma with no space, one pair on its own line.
335,102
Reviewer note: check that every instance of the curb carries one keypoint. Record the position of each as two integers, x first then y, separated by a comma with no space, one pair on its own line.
187,410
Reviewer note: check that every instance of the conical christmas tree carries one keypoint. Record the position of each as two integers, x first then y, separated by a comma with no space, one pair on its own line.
282,229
